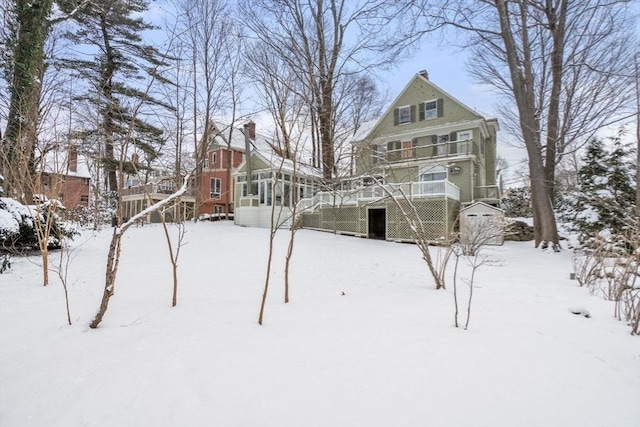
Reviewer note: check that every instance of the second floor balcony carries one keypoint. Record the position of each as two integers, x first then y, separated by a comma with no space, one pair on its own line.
403,191
417,149
161,190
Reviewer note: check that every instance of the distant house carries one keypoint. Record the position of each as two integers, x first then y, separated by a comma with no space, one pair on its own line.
64,176
137,196
428,149
224,154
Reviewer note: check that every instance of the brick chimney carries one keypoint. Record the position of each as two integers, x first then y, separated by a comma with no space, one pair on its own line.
73,159
252,129
424,74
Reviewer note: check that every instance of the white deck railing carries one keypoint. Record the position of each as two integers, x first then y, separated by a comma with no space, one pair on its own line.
412,191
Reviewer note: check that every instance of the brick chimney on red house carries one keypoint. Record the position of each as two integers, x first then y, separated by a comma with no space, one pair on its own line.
73,159
252,129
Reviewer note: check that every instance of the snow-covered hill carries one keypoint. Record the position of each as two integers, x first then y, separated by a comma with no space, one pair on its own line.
385,353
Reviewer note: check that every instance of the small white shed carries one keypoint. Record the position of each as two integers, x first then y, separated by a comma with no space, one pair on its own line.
481,224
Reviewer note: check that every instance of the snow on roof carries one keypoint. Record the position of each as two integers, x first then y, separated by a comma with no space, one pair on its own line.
260,142
56,161
363,131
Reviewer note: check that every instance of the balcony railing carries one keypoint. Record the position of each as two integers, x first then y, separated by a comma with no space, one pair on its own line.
410,191
154,189
444,149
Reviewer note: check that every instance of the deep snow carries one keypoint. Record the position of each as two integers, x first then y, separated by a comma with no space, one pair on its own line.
383,354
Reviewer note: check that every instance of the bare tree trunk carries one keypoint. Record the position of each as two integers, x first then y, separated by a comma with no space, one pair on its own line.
556,17
174,255
637,74
523,89
113,257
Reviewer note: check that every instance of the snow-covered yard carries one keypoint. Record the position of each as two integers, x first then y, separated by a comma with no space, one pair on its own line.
383,354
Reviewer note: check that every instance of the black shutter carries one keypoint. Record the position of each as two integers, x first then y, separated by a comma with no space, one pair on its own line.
413,113
421,111
439,107
396,116
434,142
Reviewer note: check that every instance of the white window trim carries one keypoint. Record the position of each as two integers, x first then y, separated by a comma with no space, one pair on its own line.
435,110
408,108
216,184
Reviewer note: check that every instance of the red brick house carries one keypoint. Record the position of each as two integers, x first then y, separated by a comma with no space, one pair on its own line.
65,176
225,153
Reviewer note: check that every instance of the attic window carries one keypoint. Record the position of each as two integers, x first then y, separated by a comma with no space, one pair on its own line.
431,109
403,115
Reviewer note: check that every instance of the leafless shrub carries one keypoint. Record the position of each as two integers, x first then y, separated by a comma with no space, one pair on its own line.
611,268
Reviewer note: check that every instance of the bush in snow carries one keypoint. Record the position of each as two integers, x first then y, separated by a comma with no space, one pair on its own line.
18,225
517,203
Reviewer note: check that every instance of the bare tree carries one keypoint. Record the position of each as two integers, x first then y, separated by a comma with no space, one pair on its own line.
563,65
173,255
470,245
205,29
113,257
321,43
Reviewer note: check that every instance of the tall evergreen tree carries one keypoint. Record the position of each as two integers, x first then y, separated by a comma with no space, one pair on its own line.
116,75
604,200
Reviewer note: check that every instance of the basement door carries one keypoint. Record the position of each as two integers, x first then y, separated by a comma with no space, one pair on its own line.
377,224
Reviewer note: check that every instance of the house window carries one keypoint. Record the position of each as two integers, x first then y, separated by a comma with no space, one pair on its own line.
464,142
433,173
85,181
403,115
214,159
394,151
84,198
205,165
430,109
441,146
376,154
215,188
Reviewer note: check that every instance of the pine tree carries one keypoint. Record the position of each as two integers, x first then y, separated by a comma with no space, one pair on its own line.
604,200
115,77
517,203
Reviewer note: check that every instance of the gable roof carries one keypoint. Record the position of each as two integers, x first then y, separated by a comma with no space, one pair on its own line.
482,205
366,129
221,135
